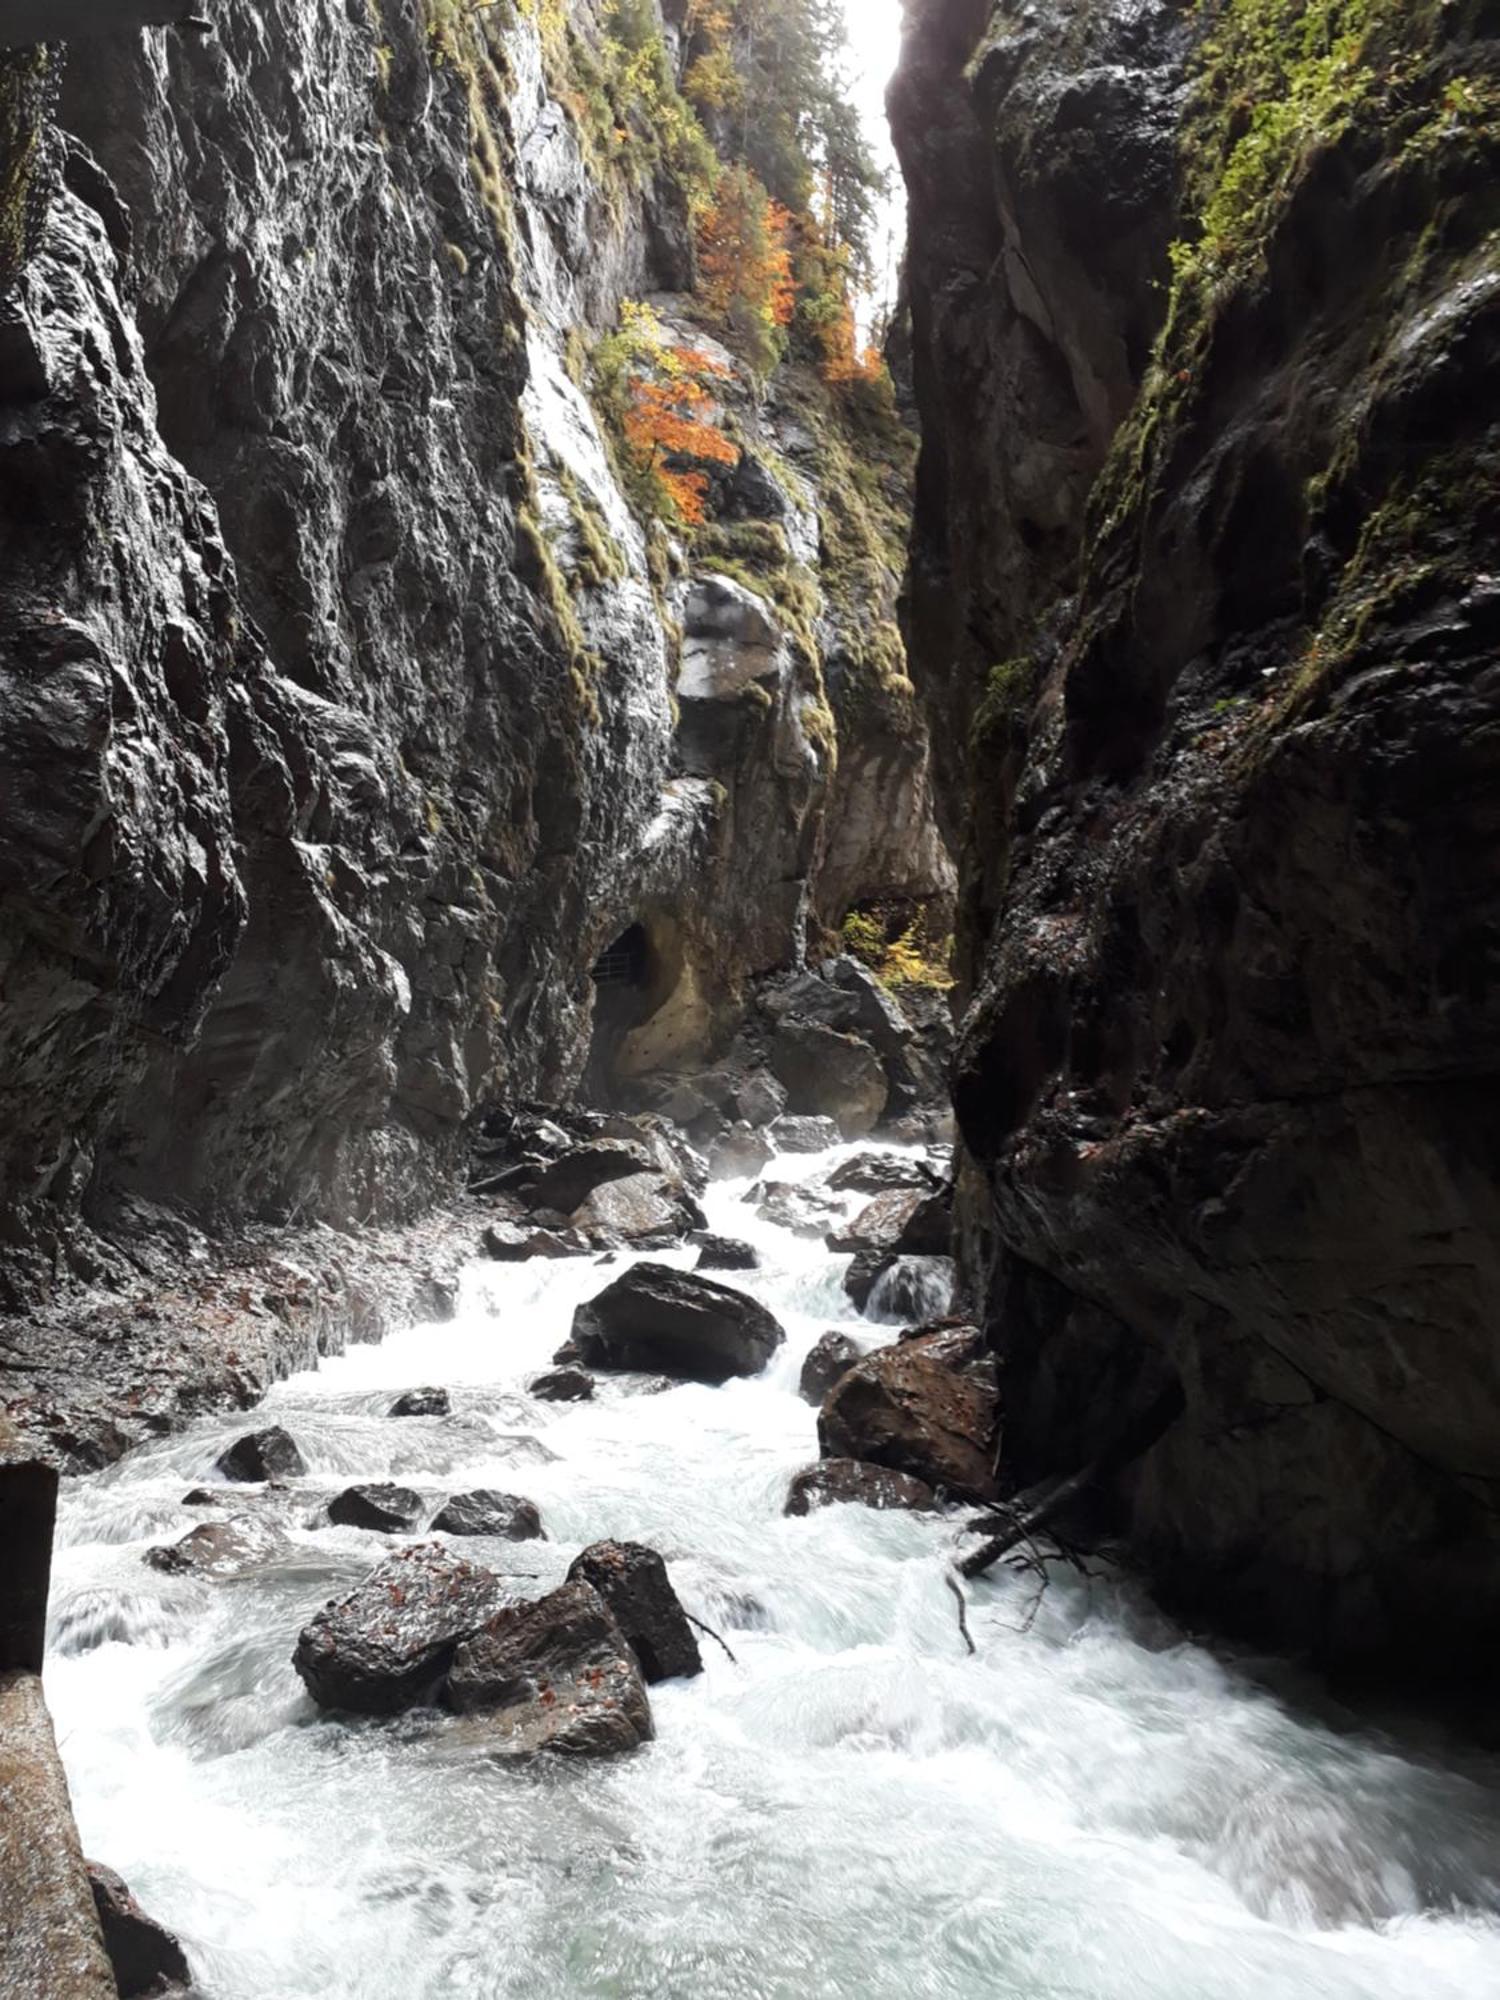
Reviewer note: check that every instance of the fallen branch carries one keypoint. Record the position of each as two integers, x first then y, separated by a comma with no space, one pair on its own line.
963,1613
1030,1513
712,1635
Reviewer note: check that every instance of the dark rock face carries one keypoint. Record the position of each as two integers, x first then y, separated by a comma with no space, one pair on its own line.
830,1075
143,1955
390,1641
804,1135
562,1385
728,1253
555,1676
267,1454
220,1548
1227,1067
487,1513
567,1183
839,1480
388,1510
830,1357
422,1403
673,1323
927,1406
633,1582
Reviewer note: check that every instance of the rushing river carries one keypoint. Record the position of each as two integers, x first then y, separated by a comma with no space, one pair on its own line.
1090,1808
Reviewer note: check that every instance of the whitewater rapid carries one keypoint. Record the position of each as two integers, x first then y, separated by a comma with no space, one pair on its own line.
1090,1808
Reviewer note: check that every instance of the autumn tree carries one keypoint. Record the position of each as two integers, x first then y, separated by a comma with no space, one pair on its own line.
746,261
662,398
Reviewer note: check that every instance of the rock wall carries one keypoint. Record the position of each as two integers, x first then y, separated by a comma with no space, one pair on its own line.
328,763
1202,607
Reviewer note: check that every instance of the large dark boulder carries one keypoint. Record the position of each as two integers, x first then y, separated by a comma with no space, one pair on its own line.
740,1152
927,1406
882,1173
727,1253
566,1184
880,1225
803,1135
557,1675
261,1455
387,1644
562,1385
830,1356
422,1403
388,1510
633,1582
835,1481
143,1955
675,1323
483,1512
830,1075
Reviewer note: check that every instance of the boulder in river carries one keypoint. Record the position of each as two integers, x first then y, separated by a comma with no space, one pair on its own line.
830,1356
484,1512
830,1074
835,1480
880,1224
562,1385
556,1675
143,1954
422,1403
643,1210
566,1184
220,1548
727,1253
633,1582
261,1455
882,1173
804,1135
739,1152
793,1205
388,1510
515,1243
927,1406
758,1098
658,1320
389,1641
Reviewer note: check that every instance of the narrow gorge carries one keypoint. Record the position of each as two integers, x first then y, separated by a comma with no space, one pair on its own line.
749,1219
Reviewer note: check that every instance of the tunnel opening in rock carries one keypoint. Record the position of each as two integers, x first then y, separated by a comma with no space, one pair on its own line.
636,980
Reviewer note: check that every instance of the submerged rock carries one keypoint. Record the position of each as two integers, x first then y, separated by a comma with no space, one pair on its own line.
836,1480
633,1582
389,1510
220,1548
830,1356
144,1956
422,1403
562,1385
387,1643
675,1323
261,1455
483,1512
727,1253
901,1291
927,1406
557,1675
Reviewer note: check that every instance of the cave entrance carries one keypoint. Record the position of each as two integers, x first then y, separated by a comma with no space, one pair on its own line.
648,1012
624,963
626,976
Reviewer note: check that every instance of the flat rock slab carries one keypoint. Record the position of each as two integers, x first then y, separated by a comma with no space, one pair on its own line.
838,1480
232,1547
880,1224
928,1407
388,1510
633,1582
145,1956
261,1455
483,1512
654,1319
557,1675
387,1644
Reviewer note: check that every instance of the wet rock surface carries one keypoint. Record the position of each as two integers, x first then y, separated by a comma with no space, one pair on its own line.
221,1548
830,1355
557,1676
484,1512
633,1582
795,1206
882,1173
675,1323
144,1956
387,1643
261,1455
386,1509
562,1385
928,1407
1226,1066
422,1403
881,1225
727,1253
837,1481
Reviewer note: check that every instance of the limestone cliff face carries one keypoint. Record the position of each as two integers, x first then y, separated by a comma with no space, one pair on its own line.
345,712
1202,606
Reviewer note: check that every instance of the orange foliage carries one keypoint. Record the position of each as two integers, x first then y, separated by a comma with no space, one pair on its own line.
668,421
745,249
842,359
